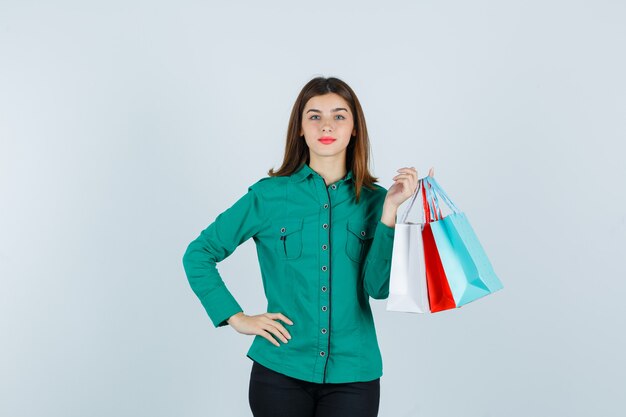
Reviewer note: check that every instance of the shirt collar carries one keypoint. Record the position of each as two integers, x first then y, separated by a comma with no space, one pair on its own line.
305,170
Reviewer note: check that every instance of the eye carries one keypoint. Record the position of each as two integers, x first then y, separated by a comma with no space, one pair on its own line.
317,116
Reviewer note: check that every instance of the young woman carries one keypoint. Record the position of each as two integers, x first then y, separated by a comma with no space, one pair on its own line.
323,231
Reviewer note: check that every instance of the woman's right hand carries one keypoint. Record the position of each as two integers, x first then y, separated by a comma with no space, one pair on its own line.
262,325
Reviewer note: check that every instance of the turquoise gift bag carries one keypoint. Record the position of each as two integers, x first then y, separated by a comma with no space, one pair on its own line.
468,270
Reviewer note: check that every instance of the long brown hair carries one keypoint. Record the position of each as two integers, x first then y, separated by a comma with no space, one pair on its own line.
357,153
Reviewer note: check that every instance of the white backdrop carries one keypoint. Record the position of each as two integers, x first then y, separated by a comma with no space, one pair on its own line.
127,126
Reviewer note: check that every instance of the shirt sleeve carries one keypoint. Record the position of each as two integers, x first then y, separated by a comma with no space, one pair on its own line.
377,266
230,228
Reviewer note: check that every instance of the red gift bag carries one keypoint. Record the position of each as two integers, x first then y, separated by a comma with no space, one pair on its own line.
439,294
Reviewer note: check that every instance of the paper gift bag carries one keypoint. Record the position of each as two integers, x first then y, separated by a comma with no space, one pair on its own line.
408,290
439,293
468,271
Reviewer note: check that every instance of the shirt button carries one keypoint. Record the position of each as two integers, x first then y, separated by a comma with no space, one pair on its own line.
324,247
333,186
325,205
324,308
362,232
324,268
282,230
322,353
323,288
325,226
323,331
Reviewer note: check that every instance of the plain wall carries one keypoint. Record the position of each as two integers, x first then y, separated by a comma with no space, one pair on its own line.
126,127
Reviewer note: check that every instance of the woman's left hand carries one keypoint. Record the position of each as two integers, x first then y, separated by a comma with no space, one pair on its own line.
404,186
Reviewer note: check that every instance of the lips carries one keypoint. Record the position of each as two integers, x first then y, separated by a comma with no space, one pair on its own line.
326,140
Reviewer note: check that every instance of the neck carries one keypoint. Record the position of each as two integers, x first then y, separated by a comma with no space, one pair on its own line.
331,169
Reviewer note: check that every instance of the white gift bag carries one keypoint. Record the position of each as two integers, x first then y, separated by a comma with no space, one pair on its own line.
408,291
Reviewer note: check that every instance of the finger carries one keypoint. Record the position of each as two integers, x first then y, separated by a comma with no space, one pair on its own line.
431,172
412,176
411,171
412,180
280,327
282,317
408,170
402,178
271,327
268,337
406,184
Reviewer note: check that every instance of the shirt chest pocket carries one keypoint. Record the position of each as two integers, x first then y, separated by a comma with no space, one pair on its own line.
359,239
288,236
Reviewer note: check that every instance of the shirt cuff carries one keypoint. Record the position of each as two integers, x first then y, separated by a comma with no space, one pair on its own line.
220,305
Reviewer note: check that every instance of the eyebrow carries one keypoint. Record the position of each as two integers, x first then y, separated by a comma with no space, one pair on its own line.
337,109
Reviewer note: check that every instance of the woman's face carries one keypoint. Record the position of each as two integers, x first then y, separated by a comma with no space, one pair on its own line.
327,116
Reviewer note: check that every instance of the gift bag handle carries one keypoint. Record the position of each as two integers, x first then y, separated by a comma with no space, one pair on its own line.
430,202
405,213
439,191
426,207
433,202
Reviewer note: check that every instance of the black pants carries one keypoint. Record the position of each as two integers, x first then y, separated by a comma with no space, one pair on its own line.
272,394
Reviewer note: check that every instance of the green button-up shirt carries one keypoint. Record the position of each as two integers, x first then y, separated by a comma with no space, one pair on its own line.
321,256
